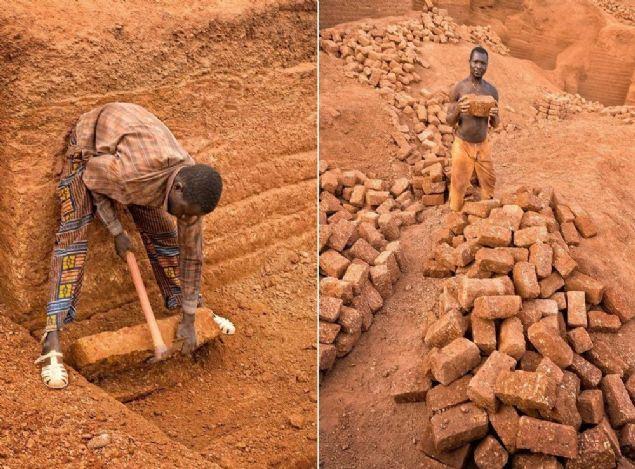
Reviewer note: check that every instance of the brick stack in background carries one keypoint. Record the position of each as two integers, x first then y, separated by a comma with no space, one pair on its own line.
519,367
360,255
552,106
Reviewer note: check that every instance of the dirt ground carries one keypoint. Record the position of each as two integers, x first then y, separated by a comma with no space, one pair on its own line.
587,158
236,83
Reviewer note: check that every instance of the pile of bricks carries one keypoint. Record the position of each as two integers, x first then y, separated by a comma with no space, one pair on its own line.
556,106
385,56
623,13
485,36
360,255
515,371
552,106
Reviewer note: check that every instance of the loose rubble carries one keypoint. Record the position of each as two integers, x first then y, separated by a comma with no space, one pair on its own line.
509,343
621,12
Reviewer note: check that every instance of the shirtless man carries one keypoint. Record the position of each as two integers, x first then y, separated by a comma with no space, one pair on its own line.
121,153
471,150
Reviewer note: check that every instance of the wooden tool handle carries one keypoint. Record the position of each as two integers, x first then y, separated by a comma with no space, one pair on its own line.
157,340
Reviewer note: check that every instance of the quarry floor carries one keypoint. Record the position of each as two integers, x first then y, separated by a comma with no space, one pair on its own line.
587,158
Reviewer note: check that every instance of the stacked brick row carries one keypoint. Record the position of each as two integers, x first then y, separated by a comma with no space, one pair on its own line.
621,12
552,106
360,255
561,104
485,36
516,372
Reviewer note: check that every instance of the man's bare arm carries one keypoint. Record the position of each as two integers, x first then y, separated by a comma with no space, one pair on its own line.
452,110
494,116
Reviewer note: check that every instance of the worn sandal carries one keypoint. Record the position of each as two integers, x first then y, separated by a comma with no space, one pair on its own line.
54,375
225,325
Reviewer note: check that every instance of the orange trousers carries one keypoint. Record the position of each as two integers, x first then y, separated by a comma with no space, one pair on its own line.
466,158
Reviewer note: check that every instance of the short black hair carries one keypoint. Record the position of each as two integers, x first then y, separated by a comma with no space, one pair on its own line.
480,50
202,186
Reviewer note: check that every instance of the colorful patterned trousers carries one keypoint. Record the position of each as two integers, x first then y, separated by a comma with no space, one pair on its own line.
157,230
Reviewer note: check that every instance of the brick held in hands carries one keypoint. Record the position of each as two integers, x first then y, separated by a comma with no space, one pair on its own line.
615,302
362,249
535,461
458,425
541,436
490,454
372,235
551,284
599,321
345,342
483,334
511,338
333,264
527,236
493,236
389,259
576,309
570,234
591,406
594,451
328,354
341,233
541,256
580,339
380,276
441,397
547,341
586,226
620,407
593,290
328,332
562,261
589,374
445,329
331,286
525,390
604,357
471,288
410,385
455,360
497,307
481,386
525,280
493,260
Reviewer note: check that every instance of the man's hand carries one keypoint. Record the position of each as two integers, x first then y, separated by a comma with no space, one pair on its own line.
493,112
186,333
464,105
122,244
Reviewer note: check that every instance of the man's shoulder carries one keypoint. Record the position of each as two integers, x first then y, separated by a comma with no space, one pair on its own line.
490,88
